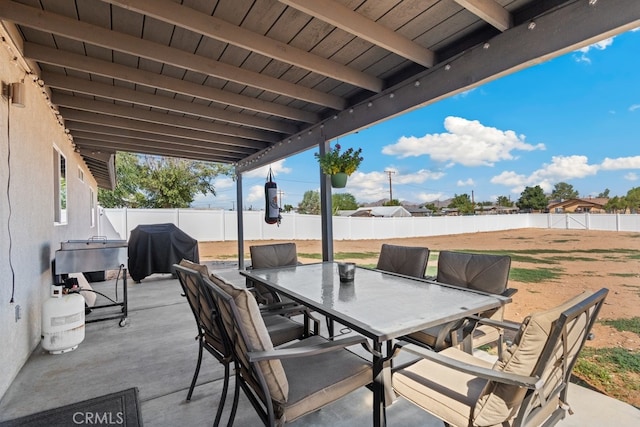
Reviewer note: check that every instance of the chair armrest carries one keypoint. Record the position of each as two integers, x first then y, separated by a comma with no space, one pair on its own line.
479,371
509,292
312,350
277,306
504,324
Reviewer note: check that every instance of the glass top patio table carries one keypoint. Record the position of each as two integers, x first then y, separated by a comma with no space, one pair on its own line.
376,304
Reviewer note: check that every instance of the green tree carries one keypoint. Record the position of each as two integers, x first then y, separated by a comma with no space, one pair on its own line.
633,200
287,207
616,205
127,192
160,182
343,201
393,202
605,193
563,191
431,206
310,203
532,198
504,201
462,203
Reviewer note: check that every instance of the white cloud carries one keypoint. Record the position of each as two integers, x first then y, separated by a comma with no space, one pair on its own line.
373,186
223,183
468,183
601,45
565,167
256,193
509,179
561,168
631,176
466,142
621,163
465,93
428,197
634,107
277,168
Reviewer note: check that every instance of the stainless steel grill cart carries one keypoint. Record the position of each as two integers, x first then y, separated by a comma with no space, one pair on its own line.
96,253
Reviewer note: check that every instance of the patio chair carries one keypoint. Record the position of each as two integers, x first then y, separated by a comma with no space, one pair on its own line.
269,256
291,381
210,336
525,387
406,260
480,272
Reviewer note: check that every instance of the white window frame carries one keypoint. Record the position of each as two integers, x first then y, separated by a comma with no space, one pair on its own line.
92,207
60,188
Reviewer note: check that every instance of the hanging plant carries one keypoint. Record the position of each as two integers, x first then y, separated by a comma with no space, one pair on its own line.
334,162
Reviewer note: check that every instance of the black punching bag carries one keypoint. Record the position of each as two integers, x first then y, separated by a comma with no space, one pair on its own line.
272,211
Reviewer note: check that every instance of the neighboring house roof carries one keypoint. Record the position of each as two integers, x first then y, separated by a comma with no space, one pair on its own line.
382,211
597,202
418,210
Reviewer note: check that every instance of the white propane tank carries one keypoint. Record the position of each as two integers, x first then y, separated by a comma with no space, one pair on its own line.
62,321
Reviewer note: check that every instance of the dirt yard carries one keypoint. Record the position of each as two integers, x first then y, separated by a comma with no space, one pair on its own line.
582,258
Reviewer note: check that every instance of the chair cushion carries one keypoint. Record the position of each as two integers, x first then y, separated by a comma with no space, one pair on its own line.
212,334
481,272
316,381
407,260
444,392
281,329
229,288
499,401
200,268
258,338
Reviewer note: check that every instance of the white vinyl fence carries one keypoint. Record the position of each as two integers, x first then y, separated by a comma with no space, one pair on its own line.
219,225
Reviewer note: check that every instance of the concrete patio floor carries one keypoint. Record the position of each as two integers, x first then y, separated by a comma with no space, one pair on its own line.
156,352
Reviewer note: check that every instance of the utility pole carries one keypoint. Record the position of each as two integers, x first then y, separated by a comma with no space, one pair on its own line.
390,189
233,205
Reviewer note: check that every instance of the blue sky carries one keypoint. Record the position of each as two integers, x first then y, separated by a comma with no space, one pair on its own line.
573,119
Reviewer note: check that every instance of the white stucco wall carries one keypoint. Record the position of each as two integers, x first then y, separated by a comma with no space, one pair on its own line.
28,236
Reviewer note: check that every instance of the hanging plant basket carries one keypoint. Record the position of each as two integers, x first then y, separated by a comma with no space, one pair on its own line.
339,180
339,165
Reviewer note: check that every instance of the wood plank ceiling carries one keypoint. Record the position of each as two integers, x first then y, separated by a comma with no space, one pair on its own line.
248,82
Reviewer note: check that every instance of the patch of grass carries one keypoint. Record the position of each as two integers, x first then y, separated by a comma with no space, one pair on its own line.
516,256
532,260
564,240
592,372
618,360
613,371
634,287
572,258
342,255
631,325
623,274
529,275
368,265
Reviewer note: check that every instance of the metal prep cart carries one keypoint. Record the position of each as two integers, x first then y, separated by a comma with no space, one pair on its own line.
94,254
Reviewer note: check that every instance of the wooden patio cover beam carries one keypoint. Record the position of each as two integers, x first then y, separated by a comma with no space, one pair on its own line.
215,28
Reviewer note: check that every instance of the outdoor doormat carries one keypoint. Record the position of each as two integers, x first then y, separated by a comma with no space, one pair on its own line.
121,408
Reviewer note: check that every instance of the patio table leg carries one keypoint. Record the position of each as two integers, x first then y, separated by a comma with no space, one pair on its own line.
379,411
